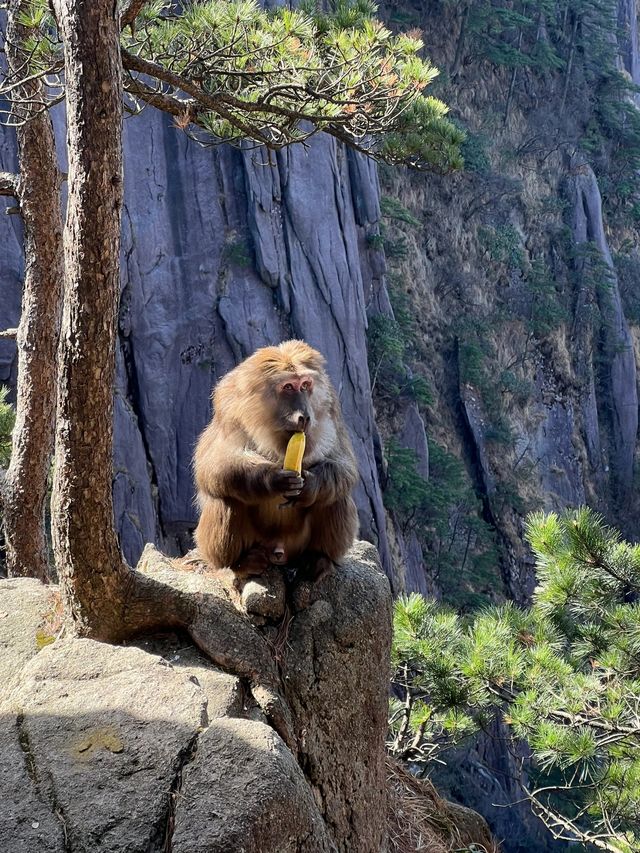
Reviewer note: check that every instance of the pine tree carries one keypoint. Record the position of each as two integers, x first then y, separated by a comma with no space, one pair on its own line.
564,676
230,71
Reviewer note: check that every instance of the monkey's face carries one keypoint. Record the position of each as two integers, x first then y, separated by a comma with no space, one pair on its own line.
292,401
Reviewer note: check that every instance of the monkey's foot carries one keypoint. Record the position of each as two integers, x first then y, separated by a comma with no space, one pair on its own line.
255,562
313,566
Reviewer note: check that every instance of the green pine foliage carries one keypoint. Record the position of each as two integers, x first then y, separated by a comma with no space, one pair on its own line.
547,311
392,208
390,337
476,365
7,420
563,675
504,246
238,72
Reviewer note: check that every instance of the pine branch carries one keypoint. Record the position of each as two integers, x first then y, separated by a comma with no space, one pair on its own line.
130,12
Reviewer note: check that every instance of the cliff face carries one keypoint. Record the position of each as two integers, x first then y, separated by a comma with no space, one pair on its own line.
224,252
520,279
521,295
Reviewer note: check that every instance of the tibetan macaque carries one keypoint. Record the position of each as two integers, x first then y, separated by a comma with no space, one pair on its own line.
254,513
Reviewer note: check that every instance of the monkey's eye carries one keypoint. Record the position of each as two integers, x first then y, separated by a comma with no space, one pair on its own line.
287,387
306,386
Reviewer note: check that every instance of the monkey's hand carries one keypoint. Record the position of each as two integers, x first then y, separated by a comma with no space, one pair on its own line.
309,494
286,483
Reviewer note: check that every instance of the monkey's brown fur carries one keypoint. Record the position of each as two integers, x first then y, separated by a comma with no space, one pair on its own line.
239,456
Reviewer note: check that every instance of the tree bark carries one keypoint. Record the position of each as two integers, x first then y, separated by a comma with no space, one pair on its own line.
38,190
104,598
87,554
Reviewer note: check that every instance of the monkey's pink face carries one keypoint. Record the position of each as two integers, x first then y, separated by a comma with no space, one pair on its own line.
293,406
295,384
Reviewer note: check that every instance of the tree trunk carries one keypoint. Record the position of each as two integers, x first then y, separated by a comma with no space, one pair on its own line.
38,190
104,598
90,565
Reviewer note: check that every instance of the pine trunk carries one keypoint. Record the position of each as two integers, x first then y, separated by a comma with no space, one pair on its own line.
88,559
25,485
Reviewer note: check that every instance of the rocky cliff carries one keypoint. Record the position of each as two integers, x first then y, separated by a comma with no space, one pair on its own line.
515,285
148,748
516,282
223,252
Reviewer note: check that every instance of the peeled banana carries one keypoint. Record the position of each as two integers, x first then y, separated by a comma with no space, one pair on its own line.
295,452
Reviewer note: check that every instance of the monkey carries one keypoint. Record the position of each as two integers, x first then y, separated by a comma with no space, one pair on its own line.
253,513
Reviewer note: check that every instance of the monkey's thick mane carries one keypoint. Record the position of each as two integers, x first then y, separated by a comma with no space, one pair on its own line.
240,396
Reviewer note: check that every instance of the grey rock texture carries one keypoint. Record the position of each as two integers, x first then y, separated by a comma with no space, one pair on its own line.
124,749
24,607
245,792
105,729
12,265
29,822
347,619
629,58
587,226
223,252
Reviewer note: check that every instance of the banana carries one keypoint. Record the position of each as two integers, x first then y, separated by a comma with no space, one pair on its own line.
295,452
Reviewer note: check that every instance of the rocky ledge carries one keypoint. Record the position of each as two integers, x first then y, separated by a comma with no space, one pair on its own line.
149,748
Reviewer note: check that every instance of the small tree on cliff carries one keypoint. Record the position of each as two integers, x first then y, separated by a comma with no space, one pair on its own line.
37,189
565,677
233,71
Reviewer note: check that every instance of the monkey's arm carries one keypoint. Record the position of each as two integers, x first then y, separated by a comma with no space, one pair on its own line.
243,475
327,482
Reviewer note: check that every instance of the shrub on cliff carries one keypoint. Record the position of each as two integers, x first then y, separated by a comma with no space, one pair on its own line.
564,675
7,419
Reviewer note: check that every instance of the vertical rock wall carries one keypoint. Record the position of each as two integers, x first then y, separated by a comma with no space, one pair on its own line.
223,252
621,381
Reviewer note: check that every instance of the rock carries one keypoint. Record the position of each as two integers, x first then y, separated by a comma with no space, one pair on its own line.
29,820
25,604
265,596
114,749
477,423
12,263
338,649
221,253
627,38
29,823
414,437
244,792
107,729
588,227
